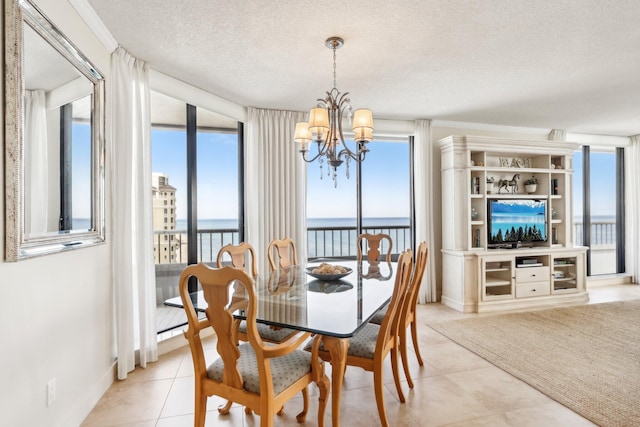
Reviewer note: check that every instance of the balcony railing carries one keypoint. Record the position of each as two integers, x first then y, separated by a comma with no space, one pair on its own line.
335,242
322,242
602,233
208,243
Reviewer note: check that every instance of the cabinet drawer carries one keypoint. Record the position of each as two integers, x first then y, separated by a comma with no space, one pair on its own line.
532,274
533,289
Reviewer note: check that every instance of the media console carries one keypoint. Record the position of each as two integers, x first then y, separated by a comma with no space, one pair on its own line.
506,246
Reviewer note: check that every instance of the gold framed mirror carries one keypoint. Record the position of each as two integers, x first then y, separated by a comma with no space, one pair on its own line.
54,139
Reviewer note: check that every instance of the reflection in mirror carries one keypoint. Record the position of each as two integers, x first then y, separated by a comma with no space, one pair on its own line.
57,141
55,147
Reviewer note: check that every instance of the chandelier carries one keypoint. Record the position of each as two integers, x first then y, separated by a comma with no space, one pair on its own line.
325,127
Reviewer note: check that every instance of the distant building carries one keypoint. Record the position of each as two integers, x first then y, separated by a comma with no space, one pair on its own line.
166,246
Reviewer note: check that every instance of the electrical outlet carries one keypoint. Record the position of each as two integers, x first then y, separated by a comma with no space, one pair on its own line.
51,391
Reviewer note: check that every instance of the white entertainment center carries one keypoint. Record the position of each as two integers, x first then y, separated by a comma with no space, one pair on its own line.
505,247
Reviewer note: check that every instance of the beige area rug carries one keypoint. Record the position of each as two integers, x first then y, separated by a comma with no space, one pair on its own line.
585,357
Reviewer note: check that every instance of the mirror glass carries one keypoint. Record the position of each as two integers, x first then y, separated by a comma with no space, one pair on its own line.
55,140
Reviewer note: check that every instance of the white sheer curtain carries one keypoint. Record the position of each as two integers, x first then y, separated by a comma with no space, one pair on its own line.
276,185
36,157
632,215
132,241
424,203
557,135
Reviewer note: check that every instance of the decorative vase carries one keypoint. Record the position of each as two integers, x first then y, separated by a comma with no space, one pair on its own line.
530,188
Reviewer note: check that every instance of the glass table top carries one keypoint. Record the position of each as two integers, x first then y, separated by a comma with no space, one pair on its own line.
294,299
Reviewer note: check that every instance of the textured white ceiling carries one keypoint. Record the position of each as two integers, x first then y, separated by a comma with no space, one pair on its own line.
567,64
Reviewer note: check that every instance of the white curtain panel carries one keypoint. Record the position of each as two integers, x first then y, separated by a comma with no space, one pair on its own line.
36,157
424,204
632,214
132,227
275,190
557,135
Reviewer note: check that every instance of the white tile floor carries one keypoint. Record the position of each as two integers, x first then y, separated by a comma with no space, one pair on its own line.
453,388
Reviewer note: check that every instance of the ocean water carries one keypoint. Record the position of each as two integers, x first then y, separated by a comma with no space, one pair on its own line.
218,224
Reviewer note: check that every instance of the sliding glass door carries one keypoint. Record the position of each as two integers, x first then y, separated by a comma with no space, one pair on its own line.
376,198
598,208
197,193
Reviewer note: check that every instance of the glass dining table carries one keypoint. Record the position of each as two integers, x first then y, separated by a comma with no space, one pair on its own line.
334,310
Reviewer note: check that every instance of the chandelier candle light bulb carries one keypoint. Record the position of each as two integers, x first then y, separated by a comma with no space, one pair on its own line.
325,127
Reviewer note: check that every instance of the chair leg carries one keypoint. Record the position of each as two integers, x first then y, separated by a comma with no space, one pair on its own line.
201,408
414,337
224,410
323,386
266,418
379,389
396,372
405,357
305,405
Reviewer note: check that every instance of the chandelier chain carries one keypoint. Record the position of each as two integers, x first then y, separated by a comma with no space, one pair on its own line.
334,66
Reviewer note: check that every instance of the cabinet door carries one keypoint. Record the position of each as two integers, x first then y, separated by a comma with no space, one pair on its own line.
497,279
565,274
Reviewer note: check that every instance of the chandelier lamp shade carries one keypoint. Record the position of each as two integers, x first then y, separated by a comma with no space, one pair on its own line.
325,127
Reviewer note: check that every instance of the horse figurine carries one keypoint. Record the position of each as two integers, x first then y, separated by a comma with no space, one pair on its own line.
513,183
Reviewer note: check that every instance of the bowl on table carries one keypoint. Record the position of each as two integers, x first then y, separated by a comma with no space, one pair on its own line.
327,274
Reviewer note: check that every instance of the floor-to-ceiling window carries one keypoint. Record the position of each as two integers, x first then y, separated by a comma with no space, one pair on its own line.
374,199
197,186
598,208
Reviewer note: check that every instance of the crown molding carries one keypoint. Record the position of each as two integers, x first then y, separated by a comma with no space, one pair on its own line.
96,25
487,127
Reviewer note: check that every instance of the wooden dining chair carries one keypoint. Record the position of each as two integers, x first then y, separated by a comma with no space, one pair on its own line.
238,254
408,312
369,347
285,250
260,376
374,245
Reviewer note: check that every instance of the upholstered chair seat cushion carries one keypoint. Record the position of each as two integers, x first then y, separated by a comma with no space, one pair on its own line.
379,316
268,333
362,344
285,370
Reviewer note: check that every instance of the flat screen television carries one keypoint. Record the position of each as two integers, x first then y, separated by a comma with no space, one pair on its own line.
512,221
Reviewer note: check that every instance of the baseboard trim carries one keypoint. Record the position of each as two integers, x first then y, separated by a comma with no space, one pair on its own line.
92,397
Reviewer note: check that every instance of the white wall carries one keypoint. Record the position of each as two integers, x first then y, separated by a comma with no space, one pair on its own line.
56,312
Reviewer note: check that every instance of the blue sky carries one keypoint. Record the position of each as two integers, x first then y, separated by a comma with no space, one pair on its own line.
81,171
385,189
385,178
603,184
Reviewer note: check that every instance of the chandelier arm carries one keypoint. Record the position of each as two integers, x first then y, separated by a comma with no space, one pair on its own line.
346,152
322,151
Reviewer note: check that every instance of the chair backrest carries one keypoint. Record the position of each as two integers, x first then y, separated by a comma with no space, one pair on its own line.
390,323
286,251
374,243
409,305
216,284
238,254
